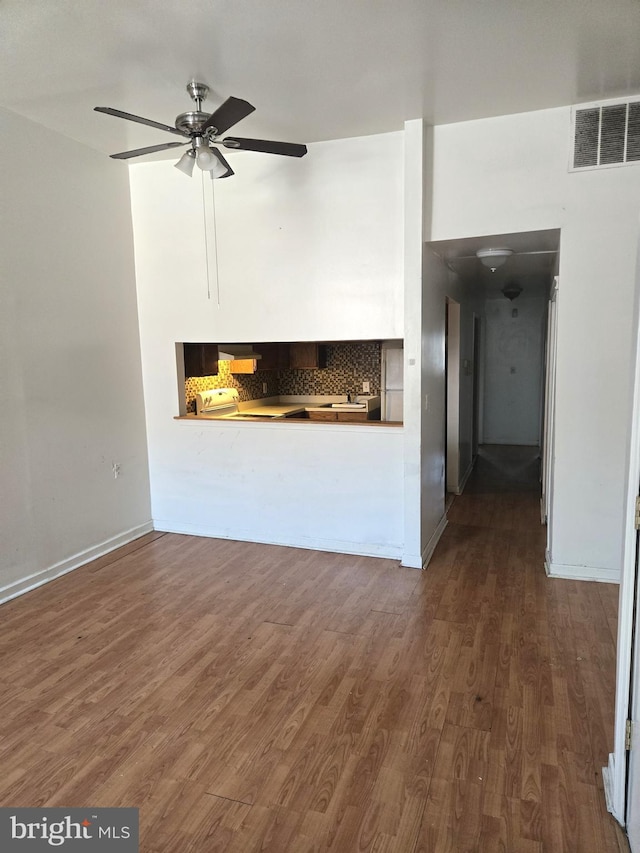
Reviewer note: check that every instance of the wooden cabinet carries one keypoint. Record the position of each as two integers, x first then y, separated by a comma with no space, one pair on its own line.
344,417
354,416
307,356
200,359
278,356
243,365
274,357
328,415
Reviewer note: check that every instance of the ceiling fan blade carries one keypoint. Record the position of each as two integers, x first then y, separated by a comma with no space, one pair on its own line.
267,146
229,113
151,149
224,163
130,117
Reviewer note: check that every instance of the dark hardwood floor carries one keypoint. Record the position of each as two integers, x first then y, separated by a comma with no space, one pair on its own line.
257,698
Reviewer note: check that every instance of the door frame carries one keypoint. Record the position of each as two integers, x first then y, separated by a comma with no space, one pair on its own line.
615,775
548,427
476,432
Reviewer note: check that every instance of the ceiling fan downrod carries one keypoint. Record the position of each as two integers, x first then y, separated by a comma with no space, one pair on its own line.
198,92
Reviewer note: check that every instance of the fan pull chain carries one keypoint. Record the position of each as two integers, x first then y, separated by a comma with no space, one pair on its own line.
215,235
206,236
206,239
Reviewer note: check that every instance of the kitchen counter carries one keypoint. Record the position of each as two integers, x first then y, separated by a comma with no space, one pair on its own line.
339,404
271,410
315,408
298,421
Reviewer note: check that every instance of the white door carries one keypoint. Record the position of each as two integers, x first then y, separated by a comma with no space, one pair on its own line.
633,766
622,776
549,406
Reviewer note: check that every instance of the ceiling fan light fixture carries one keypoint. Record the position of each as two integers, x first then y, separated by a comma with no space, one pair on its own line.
206,159
493,258
511,290
186,163
218,170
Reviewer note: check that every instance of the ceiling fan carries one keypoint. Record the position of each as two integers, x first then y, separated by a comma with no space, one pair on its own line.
203,131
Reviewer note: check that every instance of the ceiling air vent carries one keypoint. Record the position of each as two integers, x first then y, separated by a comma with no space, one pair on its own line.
606,135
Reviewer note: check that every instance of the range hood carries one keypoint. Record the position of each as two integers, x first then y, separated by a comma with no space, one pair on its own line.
236,352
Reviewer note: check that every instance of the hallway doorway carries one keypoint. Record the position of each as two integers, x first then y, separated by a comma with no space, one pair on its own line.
530,696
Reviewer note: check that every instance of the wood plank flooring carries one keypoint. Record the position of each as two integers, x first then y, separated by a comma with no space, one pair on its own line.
257,698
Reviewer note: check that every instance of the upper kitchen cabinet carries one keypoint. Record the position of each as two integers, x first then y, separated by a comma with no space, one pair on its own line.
200,359
307,356
272,357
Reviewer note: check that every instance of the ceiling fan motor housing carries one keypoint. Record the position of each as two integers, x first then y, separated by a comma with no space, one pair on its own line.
191,122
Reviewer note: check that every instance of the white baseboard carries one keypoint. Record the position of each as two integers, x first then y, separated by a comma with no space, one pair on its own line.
334,546
607,779
13,590
612,797
430,547
465,477
579,573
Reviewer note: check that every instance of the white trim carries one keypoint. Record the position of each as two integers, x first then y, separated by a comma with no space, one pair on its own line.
19,587
463,481
608,775
430,547
548,413
335,546
579,573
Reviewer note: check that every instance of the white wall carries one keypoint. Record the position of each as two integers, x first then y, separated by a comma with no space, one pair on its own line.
306,249
415,160
513,357
465,462
453,396
68,324
459,388
437,285
510,174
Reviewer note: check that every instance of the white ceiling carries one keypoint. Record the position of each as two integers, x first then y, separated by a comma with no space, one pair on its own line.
532,264
314,69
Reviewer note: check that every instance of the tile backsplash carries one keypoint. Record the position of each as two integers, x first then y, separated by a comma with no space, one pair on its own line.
349,364
249,385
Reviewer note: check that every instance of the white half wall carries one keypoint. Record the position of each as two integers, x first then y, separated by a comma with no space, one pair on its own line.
70,385
306,249
307,485
507,174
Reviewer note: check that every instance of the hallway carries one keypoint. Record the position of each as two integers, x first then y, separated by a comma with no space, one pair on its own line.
249,698
548,647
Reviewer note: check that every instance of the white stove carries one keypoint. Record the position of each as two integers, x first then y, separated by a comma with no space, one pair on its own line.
222,402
